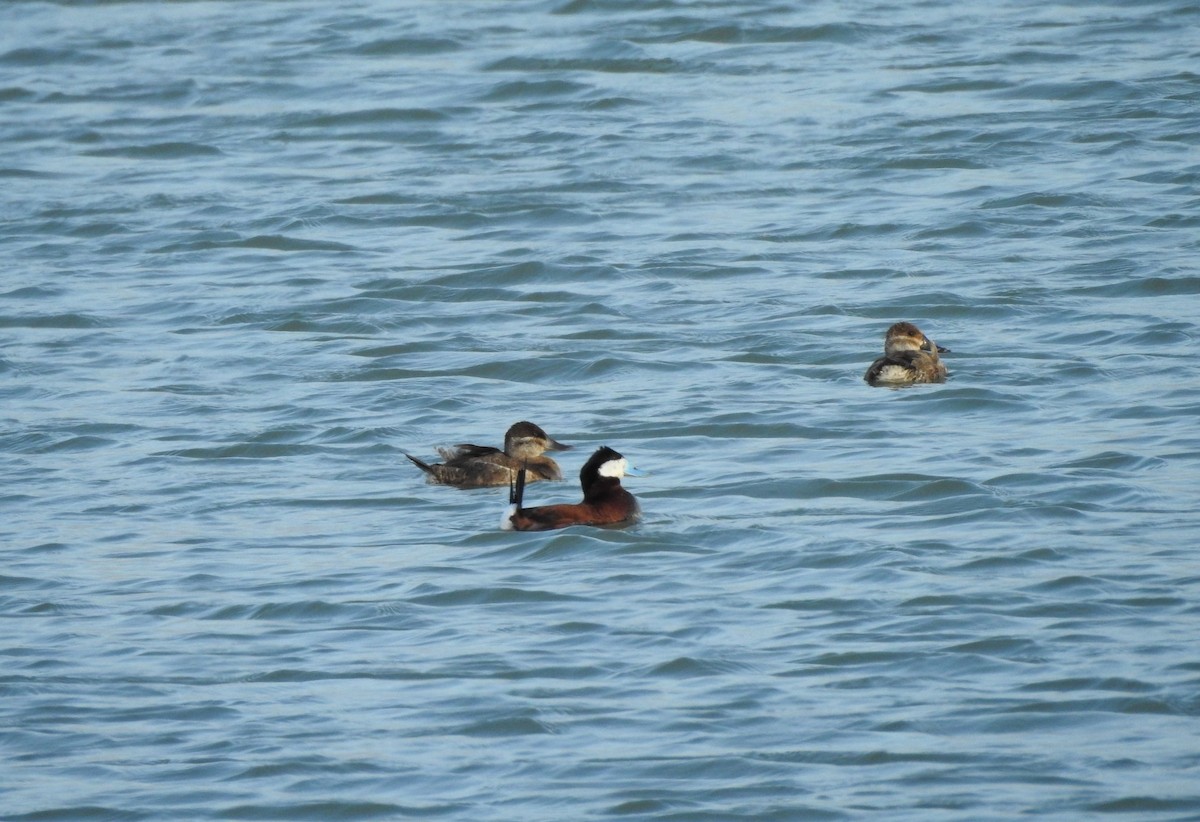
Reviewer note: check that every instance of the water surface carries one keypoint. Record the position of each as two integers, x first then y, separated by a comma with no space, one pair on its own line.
255,252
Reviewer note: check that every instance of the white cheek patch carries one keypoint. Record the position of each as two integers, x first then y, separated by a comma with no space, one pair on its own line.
613,468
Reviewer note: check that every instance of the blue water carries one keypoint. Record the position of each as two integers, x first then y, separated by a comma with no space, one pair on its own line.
253,252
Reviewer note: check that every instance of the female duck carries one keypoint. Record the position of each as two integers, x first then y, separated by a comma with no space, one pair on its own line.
908,357
605,502
477,466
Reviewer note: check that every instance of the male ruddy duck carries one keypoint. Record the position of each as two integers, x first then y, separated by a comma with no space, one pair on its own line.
908,357
605,502
478,466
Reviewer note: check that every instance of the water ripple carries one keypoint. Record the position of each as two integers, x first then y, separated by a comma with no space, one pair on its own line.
254,259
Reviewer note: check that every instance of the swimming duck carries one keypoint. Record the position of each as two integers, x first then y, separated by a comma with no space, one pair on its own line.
477,466
605,502
908,357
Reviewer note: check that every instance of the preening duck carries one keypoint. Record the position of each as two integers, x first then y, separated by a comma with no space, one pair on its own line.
908,357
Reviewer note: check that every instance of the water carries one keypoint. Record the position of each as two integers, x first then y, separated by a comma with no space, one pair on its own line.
255,251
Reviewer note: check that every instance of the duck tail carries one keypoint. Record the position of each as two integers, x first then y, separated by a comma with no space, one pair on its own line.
516,495
424,466
516,488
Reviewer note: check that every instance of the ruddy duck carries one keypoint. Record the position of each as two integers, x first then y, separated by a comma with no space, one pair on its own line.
478,466
605,502
908,357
